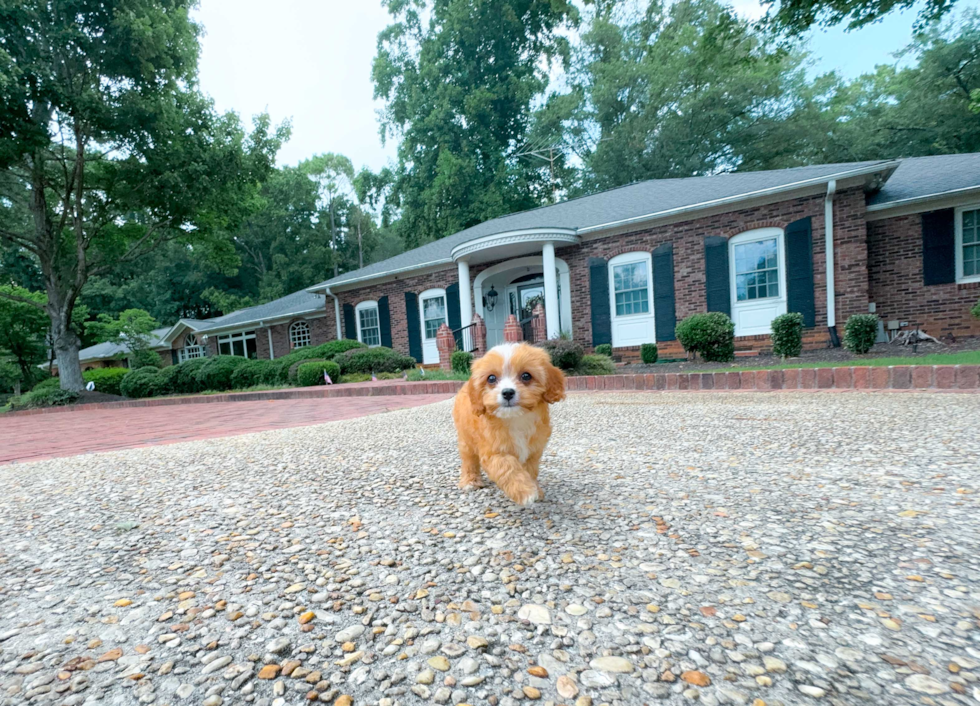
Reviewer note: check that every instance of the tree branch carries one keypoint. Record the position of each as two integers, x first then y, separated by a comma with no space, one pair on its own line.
22,300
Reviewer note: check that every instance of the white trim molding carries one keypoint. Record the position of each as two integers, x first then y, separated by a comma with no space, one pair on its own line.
365,306
560,236
762,305
958,243
632,329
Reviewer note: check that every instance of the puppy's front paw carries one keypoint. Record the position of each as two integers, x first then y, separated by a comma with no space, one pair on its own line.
526,495
471,484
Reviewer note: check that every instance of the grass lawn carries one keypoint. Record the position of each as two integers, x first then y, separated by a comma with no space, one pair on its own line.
963,358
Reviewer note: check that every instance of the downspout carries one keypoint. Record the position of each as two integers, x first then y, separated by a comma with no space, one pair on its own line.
272,352
336,310
828,229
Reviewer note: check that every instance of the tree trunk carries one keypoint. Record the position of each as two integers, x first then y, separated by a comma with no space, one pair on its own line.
66,345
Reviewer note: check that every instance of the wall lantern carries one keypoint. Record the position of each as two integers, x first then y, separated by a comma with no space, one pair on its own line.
490,299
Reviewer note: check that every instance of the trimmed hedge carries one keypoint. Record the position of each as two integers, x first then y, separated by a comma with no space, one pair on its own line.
107,380
44,397
596,364
711,335
216,373
787,335
604,349
461,361
648,353
279,372
565,354
310,374
252,373
860,333
144,382
373,360
182,379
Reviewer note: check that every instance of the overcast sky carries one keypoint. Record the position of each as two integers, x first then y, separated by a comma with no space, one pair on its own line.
310,61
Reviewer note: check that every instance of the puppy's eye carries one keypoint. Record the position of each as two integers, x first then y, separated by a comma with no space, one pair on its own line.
525,377
492,380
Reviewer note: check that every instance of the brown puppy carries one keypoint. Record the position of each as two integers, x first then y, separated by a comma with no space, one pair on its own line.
502,420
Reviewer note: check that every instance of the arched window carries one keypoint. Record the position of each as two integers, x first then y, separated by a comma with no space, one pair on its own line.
368,323
299,334
758,279
192,349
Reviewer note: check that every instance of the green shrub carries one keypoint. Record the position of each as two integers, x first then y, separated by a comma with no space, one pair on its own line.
595,364
45,397
860,332
182,379
50,384
435,374
355,377
251,373
787,335
216,372
565,354
144,359
710,335
976,309
145,382
279,372
107,380
461,361
648,353
373,360
604,349
310,374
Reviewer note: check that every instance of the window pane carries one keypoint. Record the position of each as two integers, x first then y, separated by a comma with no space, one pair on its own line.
969,219
630,288
371,336
238,347
251,349
756,270
971,260
224,347
434,311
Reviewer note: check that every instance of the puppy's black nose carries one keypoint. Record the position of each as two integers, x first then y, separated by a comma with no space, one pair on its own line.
507,394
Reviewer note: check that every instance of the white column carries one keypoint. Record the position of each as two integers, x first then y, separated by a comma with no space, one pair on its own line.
550,290
465,300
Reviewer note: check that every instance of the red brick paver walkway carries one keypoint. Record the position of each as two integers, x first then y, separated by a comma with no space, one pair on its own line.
32,438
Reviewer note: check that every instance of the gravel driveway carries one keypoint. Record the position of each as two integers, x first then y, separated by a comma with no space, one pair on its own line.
732,548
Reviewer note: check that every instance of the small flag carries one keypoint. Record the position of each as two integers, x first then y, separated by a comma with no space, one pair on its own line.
421,371
405,376
374,378
326,379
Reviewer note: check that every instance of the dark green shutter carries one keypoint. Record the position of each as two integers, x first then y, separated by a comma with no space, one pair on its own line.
664,309
350,325
799,270
414,330
384,321
173,357
599,294
716,280
938,247
453,314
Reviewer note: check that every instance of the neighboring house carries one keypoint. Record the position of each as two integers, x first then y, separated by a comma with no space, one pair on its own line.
900,238
109,355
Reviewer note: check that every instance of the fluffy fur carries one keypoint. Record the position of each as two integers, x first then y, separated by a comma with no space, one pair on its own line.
502,420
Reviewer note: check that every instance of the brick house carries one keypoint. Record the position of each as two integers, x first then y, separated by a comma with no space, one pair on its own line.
900,238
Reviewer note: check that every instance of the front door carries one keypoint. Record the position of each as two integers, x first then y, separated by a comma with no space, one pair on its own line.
758,281
631,299
433,314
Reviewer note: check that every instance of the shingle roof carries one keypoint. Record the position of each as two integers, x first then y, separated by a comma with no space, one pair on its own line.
103,351
296,303
623,203
922,177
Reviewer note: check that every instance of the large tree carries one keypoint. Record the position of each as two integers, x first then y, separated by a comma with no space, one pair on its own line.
459,79
797,16
109,145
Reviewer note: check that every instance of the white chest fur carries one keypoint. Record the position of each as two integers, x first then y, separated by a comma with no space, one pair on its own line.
522,428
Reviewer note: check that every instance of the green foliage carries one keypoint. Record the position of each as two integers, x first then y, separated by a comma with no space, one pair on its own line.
604,349
10,375
595,364
354,377
458,80
976,309
48,384
373,360
23,328
106,99
310,374
797,16
45,397
787,335
145,382
132,328
710,335
648,353
216,372
183,379
461,361
107,380
252,373
860,333
325,351
565,354
435,374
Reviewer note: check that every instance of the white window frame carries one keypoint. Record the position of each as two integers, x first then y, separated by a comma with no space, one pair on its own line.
191,350
630,258
304,332
753,236
432,294
364,306
230,338
958,222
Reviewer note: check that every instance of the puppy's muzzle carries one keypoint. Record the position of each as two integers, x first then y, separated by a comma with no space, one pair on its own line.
508,395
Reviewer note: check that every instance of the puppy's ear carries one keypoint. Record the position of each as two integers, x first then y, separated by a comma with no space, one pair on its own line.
476,397
554,390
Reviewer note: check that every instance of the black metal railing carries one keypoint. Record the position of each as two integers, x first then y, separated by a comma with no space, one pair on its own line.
527,328
464,339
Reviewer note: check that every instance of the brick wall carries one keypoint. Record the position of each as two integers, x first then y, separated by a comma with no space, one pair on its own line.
851,282
896,285
321,330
